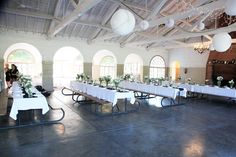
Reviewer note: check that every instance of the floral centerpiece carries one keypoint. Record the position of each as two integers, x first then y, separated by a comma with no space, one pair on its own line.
219,79
146,79
160,80
80,77
100,79
26,83
107,79
153,80
189,80
231,83
127,77
116,82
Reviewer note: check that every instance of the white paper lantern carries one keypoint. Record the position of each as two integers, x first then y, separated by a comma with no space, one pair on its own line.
201,26
122,22
230,7
222,42
169,23
144,25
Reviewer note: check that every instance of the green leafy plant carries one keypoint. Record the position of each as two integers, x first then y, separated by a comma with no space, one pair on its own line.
26,82
116,82
231,83
127,77
100,79
107,79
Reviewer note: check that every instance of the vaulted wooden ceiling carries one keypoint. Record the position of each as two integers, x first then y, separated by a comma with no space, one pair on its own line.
90,20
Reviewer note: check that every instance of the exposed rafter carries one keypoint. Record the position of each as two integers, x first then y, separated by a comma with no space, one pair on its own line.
111,11
194,11
56,11
28,13
188,35
82,8
157,6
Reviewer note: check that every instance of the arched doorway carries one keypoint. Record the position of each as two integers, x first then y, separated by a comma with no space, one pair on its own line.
104,63
134,65
175,70
28,60
67,63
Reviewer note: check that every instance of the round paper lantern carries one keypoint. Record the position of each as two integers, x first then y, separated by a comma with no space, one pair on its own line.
169,23
122,22
144,25
230,7
201,26
222,42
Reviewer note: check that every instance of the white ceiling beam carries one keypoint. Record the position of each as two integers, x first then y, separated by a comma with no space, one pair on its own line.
56,12
27,13
111,11
73,3
194,11
182,46
200,2
189,35
121,3
157,7
83,7
92,24
135,6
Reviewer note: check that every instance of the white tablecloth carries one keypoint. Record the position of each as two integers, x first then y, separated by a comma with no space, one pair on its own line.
153,89
20,103
225,92
103,93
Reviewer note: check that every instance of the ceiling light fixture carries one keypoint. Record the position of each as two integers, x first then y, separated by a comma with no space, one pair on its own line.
201,47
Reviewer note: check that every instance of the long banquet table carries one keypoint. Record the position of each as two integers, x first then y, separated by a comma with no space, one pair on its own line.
20,103
153,89
205,89
167,93
102,93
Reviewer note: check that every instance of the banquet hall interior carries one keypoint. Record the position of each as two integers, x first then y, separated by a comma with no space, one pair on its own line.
116,78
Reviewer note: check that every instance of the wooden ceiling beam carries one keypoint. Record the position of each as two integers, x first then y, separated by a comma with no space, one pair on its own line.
83,7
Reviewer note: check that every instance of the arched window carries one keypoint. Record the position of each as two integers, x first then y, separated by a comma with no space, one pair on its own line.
67,63
27,59
104,63
157,67
107,66
134,65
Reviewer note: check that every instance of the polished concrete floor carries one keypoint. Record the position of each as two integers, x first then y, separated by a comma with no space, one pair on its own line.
200,128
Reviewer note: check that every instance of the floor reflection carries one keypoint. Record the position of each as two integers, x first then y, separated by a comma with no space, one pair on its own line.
195,147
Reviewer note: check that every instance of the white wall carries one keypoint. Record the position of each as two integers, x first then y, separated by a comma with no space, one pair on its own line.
188,57
48,47
194,62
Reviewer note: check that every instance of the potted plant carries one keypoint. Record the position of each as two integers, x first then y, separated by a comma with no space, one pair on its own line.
231,83
189,80
127,77
116,82
107,79
219,79
26,83
101,79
